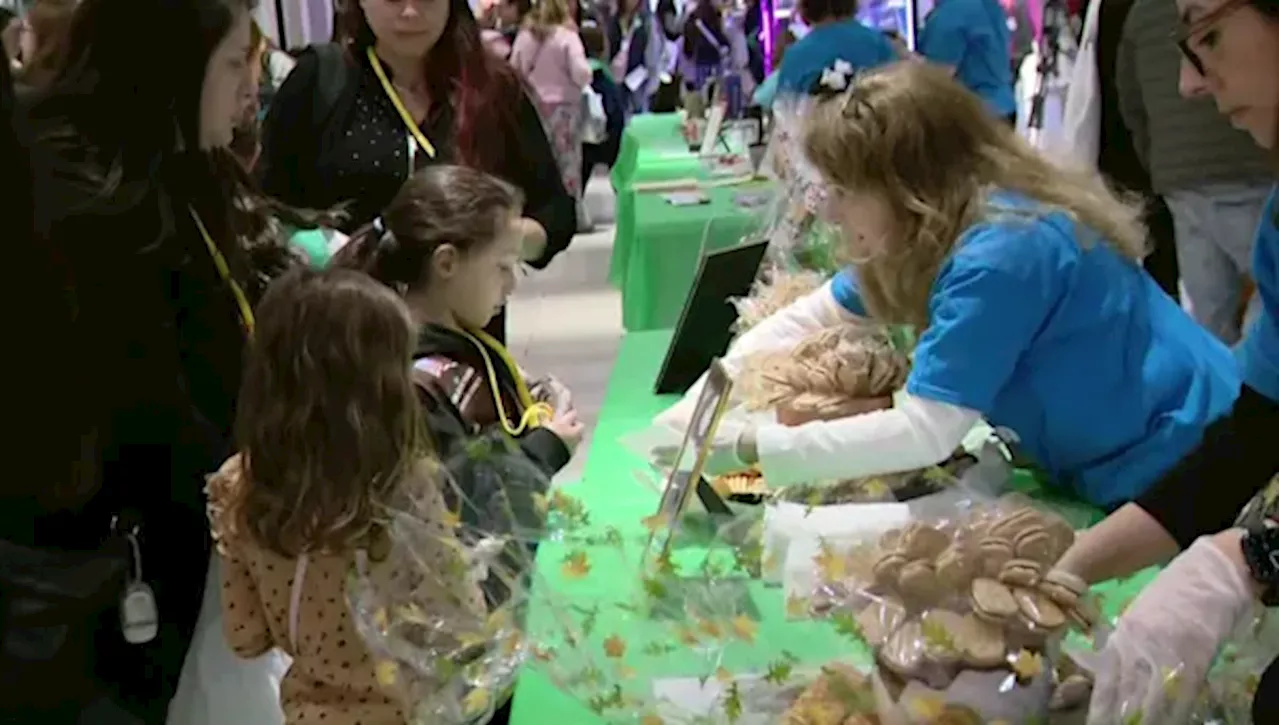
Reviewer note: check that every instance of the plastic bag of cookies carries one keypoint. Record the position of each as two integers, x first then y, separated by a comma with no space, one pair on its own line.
949,604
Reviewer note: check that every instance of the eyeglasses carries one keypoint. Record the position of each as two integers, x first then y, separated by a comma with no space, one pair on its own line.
1183,36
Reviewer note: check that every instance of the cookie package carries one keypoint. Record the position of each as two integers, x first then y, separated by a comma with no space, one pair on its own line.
964,611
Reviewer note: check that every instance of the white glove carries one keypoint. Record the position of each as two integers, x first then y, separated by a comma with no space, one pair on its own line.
785,328
1154,663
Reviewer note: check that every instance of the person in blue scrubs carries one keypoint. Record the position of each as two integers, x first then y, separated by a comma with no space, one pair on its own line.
971,37
1024,282
834,34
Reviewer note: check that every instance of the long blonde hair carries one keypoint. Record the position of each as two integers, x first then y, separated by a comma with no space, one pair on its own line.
547,15
913,136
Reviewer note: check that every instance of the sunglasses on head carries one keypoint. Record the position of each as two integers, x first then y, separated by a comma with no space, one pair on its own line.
1184,35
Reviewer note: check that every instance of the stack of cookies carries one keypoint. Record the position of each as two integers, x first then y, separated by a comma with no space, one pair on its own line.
978,594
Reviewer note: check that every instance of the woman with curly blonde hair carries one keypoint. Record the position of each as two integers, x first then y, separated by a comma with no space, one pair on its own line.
1024,284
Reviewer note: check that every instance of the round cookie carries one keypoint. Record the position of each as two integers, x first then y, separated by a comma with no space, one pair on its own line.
1035,544
920,541
993,553
889,539
903,652
981,644
1071,693
1015,522
955,568
992,600
1063,587
918,584
879,620
1038,609
886,570
1019,573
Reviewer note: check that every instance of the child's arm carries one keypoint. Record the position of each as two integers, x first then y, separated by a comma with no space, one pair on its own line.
244,622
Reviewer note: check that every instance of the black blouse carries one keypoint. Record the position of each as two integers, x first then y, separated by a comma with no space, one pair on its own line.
357,152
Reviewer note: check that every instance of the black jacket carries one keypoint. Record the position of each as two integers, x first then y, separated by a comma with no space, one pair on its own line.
313,134
459,402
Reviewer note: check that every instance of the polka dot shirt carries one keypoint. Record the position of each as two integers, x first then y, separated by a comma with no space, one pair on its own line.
332,679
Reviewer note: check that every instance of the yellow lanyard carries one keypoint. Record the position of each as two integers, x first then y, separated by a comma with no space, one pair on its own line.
246,310
405,116
535,414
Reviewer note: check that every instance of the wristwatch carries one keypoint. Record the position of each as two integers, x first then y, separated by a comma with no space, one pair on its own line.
1259,545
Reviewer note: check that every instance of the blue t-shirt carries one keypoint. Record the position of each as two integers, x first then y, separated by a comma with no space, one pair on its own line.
1104,379
848,40
1257,352
972,36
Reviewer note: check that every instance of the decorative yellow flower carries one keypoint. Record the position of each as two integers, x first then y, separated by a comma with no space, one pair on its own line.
830,563
1027,665
476,701
615,647
576,565
797,607
387,672
744,628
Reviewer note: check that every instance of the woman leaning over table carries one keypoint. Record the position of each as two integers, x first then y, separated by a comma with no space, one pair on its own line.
415,86
1229,49
1024,284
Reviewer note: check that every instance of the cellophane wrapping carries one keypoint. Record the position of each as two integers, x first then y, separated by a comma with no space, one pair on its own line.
960,612
826,373
799,240
443,610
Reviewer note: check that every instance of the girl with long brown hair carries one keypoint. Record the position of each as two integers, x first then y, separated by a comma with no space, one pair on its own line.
329,433
450,243
1024,284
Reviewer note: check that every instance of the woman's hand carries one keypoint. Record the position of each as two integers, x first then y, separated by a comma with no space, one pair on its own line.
534,237
1153,664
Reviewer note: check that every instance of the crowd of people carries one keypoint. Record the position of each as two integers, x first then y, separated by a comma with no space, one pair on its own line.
192,367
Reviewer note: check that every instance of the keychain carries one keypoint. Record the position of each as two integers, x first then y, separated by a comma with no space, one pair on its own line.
139,616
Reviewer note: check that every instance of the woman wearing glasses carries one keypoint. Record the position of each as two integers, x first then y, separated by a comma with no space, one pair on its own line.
1024,281
1229,563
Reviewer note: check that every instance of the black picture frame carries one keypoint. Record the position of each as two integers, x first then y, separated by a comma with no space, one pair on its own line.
705,326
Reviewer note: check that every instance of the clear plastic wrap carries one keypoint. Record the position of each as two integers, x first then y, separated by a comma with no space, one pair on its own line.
833,373
441,601
798,238
961,611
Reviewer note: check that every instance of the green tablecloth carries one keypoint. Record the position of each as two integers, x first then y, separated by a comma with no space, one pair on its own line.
662,260
615,498
653,149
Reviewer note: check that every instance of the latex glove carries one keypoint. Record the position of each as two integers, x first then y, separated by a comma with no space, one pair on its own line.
1155,661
